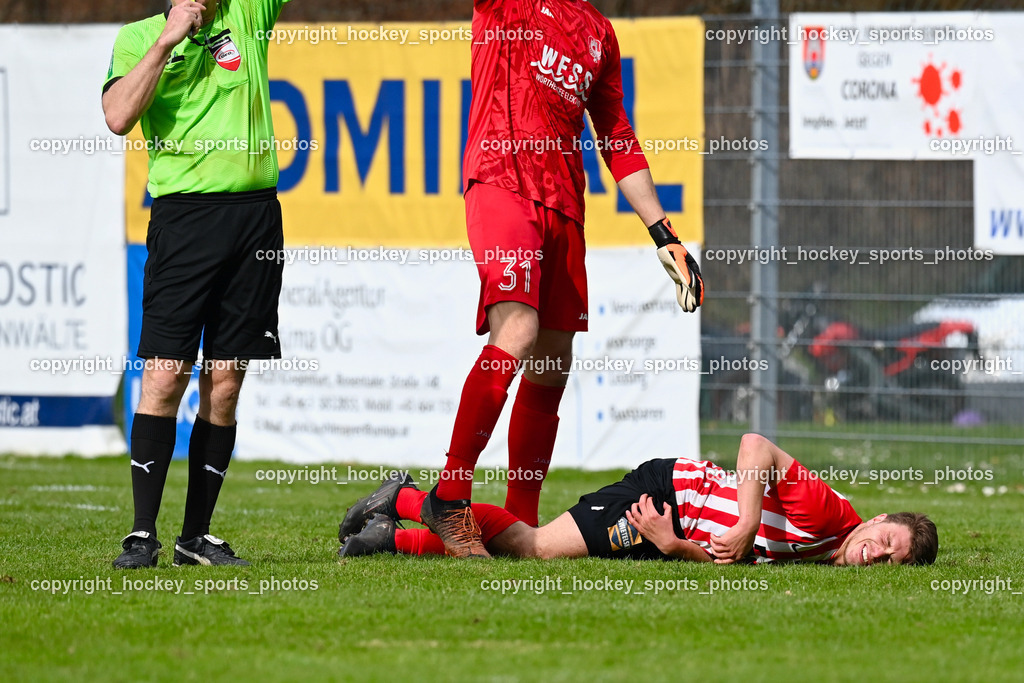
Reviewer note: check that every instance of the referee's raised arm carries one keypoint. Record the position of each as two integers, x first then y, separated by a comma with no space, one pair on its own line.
126,99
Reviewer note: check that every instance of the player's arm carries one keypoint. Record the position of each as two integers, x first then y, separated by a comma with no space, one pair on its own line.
625,159
759,463
659,529
128,97
638,188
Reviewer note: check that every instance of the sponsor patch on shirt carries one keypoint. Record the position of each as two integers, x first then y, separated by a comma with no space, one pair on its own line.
224,50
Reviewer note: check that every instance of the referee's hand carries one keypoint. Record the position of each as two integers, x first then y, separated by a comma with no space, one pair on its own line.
183,19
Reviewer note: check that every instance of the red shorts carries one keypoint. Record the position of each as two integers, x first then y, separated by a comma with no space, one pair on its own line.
528,253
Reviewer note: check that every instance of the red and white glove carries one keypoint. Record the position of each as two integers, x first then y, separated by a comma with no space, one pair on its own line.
681,267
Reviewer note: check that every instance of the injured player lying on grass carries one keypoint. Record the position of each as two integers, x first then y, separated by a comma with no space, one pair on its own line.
771,508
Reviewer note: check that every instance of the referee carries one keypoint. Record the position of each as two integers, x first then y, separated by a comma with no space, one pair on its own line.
195,77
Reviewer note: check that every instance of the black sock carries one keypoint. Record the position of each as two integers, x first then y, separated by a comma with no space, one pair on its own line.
195,499
209,454
218,455
151,451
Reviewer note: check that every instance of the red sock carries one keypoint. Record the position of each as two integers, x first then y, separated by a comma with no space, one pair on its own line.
531,440
409,503
492,520
483,397
418,542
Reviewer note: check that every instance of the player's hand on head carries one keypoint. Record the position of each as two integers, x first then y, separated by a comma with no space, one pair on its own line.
654,526
733,545
183,19
679,265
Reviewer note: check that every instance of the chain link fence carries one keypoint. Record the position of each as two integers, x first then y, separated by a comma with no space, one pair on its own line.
907,351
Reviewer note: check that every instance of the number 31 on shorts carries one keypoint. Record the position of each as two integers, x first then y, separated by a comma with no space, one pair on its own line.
511,278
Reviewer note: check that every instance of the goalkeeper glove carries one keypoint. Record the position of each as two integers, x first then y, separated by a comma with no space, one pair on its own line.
680,266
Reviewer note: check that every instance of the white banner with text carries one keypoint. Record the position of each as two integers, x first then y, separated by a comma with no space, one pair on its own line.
63,329
379,341
943,86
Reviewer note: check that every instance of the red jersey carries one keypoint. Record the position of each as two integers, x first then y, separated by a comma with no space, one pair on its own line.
802,518
537,66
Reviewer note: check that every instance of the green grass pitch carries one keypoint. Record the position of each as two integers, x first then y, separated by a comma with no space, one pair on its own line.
401,618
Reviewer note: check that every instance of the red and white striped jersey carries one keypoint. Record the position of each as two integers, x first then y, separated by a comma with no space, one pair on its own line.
802,518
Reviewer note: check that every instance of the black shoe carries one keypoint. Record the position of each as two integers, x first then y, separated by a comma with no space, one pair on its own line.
382,502
206,550
454,522
140,550
378,536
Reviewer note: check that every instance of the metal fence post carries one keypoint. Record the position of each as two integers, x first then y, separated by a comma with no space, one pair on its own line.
764,222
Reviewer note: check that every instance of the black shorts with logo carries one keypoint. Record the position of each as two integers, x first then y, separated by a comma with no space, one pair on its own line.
601,516
207,275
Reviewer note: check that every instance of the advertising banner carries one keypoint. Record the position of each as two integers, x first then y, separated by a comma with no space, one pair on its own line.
62,265
886,85
999,177
928,85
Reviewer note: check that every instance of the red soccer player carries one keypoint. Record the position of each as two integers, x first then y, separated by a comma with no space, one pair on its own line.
537,66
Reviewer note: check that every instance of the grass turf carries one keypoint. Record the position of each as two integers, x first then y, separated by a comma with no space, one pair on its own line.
395,618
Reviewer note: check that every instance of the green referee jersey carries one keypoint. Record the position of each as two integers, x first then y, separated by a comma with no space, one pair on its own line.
209,128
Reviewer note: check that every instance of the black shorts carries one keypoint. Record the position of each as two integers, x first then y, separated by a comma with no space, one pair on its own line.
601,516
203,277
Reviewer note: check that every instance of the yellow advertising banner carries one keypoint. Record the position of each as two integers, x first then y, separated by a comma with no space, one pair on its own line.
370,119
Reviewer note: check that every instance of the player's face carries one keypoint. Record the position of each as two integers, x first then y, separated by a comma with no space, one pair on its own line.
876,542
